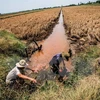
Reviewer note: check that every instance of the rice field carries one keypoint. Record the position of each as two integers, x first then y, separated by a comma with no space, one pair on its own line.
33,25
82,25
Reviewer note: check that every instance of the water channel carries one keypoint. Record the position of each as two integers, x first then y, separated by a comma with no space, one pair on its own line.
56,43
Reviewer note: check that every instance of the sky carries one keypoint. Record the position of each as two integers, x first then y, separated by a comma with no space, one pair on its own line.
8,6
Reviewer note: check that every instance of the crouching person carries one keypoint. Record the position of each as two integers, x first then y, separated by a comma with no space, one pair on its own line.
16,75
57,65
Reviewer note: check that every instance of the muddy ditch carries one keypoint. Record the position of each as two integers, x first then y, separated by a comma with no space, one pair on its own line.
54,44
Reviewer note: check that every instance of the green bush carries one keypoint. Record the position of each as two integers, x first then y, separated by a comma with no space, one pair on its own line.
83,65
9,44
98,1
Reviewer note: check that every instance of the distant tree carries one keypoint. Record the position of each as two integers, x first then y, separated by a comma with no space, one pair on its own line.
89,2
82,3
98,1
72,5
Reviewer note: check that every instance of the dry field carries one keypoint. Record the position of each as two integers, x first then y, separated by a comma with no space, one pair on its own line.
82,25
34,25
3,16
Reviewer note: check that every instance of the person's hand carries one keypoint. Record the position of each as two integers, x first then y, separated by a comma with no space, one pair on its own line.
33,80
60,70
65,78
35,70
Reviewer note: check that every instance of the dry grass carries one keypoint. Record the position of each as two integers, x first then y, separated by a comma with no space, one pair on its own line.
82,24
31,25
86,89
8,15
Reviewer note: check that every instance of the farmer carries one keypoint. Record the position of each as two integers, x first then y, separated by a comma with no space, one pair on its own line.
17,75
57,64
32,48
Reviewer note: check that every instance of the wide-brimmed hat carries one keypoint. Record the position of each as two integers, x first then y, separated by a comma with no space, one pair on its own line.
21,64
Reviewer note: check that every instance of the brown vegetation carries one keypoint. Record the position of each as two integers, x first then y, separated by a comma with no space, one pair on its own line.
82,25
34,25
9,15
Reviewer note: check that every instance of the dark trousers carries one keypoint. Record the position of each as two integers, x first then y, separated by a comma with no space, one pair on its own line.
55,68
16,83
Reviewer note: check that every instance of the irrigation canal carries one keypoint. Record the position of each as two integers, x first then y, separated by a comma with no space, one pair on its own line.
56,43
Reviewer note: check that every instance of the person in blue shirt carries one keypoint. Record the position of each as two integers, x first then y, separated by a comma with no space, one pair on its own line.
57,64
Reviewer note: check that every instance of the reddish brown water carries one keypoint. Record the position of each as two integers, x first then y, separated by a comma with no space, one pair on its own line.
55,43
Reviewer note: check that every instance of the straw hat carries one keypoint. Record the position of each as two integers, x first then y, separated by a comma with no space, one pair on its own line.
21,64
82,39
64,55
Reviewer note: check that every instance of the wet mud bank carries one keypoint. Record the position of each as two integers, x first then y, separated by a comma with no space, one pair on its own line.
81,42
72,40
